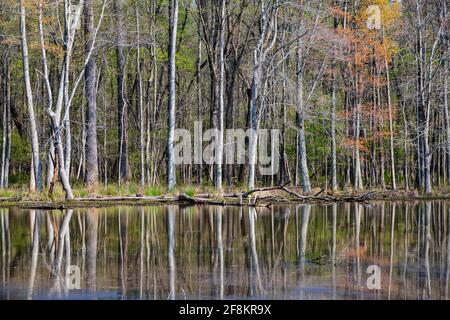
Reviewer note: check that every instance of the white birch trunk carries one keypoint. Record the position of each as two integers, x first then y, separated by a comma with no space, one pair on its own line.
391,122
173,22
301,142
29,94
220,144
140,99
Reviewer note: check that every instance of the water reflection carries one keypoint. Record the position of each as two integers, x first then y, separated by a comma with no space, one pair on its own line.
171,252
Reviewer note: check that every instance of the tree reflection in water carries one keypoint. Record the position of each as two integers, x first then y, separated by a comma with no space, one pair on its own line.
284,252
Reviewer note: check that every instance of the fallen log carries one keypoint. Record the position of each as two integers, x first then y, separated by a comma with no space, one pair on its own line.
193,200
259,199
184,198
127,198
361,198
15,199
224,195
246,194
235,199
318,197
326,198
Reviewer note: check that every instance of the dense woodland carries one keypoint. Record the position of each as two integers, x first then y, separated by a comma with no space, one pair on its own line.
92,91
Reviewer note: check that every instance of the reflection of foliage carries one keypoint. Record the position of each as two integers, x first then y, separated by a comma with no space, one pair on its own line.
277,233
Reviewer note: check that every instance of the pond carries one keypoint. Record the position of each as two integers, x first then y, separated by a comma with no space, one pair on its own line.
381,250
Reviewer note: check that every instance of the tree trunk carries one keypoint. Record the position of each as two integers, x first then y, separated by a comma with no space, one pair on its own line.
259,55
124,165
220,114
91,152
6,124
199,103
29,94
301,142
173,22
253,122
358,176
140,100
334,183
391,123
446,106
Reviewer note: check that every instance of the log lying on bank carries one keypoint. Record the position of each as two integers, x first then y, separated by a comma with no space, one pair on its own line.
248,193
183,198
238,199
245,199
318,197
326,198
194,200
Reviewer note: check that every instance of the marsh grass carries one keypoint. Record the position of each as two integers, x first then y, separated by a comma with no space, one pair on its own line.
7,193
190,191
154,191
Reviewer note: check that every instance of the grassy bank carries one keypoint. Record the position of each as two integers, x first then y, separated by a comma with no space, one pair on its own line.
133,194
112,190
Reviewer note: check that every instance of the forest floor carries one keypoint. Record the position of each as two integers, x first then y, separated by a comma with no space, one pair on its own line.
264,197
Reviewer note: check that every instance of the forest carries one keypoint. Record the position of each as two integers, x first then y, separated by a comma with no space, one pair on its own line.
94,92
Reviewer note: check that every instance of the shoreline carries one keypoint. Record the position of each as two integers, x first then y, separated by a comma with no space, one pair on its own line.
257,200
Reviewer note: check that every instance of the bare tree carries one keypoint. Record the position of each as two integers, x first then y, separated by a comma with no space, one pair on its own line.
140,99
173,26
29,93
6,122
264,43
124,165
90,88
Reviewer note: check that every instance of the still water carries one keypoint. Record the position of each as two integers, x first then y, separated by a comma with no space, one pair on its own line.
283,252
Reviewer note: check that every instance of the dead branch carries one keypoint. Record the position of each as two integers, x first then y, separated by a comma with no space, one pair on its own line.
246,194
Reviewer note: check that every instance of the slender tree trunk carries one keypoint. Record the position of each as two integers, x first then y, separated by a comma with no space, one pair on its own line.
424,106
50,161
358,176
29,94
68,146
405,146
199,101
81,172
8,139
220,114
427,157
446,104
4,144
173,22
105,149
391,122
91,151
123,164
140,99
301,141
6,124
334,183
283,172
259,57
253,117
150,112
